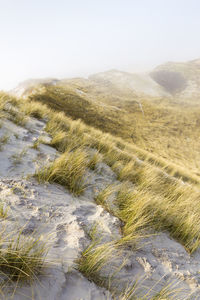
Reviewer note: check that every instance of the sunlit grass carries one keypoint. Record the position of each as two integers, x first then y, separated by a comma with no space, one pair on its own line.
68,170
94,160
3,141
102,196
22,259
93,259
3,210
130,171
162,213
169,291
34,109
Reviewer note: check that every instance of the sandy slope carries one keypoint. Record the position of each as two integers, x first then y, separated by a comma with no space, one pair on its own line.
52,211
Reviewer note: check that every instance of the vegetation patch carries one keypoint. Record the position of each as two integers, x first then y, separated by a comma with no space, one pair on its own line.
68,170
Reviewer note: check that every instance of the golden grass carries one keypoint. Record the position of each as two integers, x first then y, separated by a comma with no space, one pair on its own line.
170,212
131,212
102,197
21,258
93,259
169,129
129,171
170,291
3,210
58,121
3,140
6,99
35,110
68,170
59,140
94,160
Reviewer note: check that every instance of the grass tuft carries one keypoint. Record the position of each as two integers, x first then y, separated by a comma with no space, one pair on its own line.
21,258
3,141
3,210
94,259
68,170
94,160
102,197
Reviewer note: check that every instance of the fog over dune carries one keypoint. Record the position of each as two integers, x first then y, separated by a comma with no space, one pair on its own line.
78,38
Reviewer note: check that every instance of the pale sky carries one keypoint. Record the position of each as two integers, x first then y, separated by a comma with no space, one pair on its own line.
67,38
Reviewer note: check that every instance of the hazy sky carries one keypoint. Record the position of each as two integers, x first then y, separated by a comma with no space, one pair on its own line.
65,38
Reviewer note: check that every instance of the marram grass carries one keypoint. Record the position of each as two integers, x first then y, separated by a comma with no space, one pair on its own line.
21,257
68,170
102,196
94,159
94,258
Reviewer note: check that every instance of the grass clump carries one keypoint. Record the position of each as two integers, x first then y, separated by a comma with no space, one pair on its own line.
131,171
67,134
132,212
5,100
169,291
57,121
102,197
36,144
3,140
94,160
94,259
38,141
17,117
34,109
178,213
111,157
68,170
3,210
59,140
21,258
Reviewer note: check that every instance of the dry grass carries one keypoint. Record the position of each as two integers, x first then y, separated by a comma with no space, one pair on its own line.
3,141
22,259
131,212
171,212
94,259
102,197
170,291
59,140
94,160
166,128
10,108
68,170
33,109
3,210
101,141
130,171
